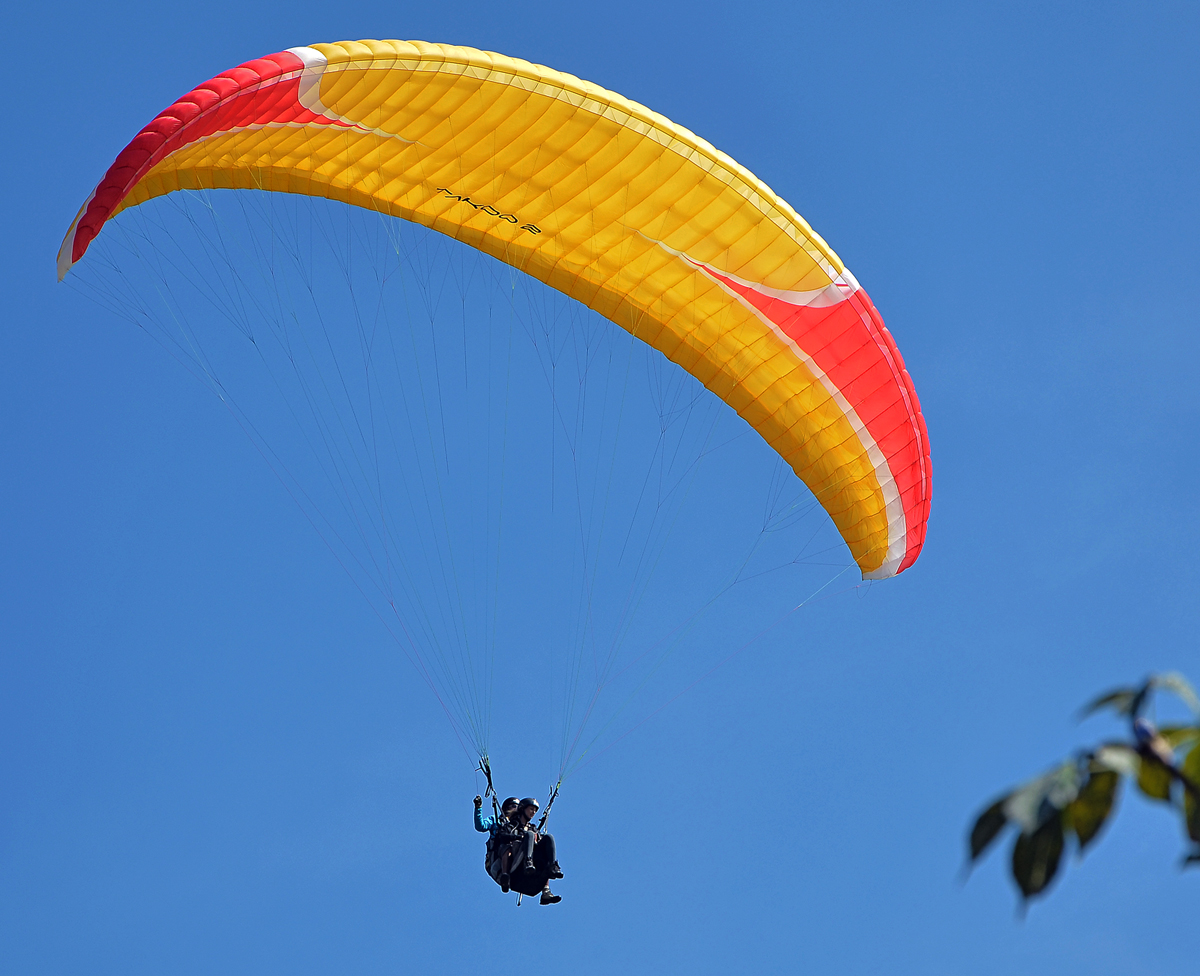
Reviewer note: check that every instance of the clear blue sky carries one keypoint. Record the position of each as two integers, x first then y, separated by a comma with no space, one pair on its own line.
211,757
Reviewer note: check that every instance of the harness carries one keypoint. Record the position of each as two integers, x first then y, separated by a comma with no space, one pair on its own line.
507,834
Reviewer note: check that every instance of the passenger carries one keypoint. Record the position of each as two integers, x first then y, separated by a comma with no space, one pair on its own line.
518,857
503,836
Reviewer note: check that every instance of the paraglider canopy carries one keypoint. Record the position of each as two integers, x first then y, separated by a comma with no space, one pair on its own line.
598,197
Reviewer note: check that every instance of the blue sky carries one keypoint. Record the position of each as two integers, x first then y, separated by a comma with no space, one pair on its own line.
214,758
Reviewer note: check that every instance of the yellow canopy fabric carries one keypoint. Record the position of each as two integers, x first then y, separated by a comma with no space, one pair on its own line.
598,197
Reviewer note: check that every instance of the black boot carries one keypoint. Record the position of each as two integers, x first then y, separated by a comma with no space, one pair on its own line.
549,897
504,883
555,871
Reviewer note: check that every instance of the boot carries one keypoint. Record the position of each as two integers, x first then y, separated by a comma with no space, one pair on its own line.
555,871
504,883
549,897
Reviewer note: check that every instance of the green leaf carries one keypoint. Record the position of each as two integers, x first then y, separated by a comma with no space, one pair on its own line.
987,826
1178,736
1177,683
1190,768
1089,811
1118,757
1121,701
1043,796
1035,857
1154,778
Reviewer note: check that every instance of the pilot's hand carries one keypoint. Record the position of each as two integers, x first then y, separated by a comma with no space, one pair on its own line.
478,801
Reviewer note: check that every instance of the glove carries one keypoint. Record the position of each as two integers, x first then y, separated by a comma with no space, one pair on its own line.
479,801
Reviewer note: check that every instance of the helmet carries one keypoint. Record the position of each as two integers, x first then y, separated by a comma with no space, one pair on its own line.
529,801
509,802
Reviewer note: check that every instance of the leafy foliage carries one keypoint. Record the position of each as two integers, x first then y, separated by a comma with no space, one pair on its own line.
1154,779
1087,813
1123,701
1178,736
988,827
1077,798
1035,857
1179,685
1190,767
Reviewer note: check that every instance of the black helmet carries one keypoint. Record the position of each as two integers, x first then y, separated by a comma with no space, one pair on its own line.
529,801
510,802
